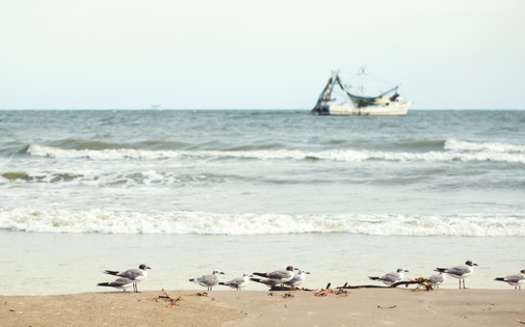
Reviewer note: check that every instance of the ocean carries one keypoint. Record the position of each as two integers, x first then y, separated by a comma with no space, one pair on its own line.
188,192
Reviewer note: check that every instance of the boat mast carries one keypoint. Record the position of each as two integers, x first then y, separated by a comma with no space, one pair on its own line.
326,95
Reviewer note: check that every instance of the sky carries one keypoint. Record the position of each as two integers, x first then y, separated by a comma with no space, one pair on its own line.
243,54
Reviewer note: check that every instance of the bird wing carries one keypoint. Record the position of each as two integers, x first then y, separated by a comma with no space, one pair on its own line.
235,282
437,278
121,282
131,274
514,278
392,277
458,270
208,279
280,275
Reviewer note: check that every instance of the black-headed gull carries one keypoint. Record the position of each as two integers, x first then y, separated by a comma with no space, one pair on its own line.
208,281
120,283
436,280
238,283
279,276
460,272
298,278
392,277
514,280
135,275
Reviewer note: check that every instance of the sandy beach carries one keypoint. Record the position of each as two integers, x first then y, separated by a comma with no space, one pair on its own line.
361,307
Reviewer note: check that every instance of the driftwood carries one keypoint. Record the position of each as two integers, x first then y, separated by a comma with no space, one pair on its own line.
419,281
289,289
172,301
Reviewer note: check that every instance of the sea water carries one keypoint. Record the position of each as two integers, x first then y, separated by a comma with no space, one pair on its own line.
189,192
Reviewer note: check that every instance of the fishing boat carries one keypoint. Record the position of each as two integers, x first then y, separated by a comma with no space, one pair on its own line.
387,103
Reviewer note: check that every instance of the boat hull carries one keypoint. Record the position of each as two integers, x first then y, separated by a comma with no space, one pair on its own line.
390,109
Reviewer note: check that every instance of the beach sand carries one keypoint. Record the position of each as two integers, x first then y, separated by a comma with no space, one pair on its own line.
361,307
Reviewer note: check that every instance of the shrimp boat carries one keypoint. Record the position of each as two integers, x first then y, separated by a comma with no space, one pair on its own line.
348,102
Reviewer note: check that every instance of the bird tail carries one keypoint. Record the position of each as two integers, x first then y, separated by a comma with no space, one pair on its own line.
192,280
373,277
103,284
221,283
259,274
258,280
111,272
500,278
440,269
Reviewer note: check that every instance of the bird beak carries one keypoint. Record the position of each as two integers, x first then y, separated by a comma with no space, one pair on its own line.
307,272
148,268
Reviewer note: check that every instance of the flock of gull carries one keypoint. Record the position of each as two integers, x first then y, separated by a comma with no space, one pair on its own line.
294,277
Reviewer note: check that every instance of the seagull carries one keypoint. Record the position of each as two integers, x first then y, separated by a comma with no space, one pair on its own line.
460,272
279,276
208,280
268,282
392,277
238,283
436,280
120,283
514,280
298,278
135,275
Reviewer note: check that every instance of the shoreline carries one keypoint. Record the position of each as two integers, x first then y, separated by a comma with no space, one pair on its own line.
444,307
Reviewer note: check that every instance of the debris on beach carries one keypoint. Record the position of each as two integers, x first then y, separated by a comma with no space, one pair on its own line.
391,307
167,298
327,291
420,281
322,292
289,289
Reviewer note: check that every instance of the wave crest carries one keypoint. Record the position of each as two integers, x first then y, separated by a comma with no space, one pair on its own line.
97,221
490,147
454,150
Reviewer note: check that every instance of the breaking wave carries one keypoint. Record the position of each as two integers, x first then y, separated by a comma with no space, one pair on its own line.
490,147
453,150
105,222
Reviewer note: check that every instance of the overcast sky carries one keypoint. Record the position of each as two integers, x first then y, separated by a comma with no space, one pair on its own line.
268,54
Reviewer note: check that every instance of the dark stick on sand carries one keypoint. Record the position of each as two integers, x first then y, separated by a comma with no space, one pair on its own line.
406,283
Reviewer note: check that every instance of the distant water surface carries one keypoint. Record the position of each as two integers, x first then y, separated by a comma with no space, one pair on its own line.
105,181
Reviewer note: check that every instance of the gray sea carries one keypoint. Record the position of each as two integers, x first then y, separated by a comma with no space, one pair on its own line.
189,192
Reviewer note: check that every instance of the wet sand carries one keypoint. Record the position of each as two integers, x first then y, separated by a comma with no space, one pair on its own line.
361,307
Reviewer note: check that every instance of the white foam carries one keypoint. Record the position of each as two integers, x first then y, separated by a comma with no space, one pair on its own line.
109,222
457,151
490,147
